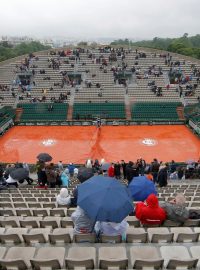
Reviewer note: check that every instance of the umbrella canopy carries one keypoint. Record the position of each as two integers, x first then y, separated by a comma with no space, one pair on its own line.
44,157
105,166
140,188
19,174
190,161
104,199
84,174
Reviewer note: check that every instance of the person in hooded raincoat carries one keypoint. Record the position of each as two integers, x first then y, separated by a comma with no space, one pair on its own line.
82,223
65,179
63,198
149,212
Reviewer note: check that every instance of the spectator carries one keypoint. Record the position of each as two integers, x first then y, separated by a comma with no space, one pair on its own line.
131,171
149,212
175,209
12,182
51,175
88,164
172,167
82,223
111,170
9,169
180,172
162,175
154,169
75,172
64,179
112,228
123,164
71,169
63,198
117,171
42,177
60,166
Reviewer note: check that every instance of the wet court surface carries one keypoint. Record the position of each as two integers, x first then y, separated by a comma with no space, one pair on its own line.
113,143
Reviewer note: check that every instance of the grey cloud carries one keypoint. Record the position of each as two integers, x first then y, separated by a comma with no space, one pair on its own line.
95,18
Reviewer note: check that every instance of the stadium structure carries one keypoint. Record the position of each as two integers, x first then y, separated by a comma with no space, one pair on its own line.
103,103
138,94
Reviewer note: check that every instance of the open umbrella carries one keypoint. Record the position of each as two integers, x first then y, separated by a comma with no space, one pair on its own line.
190,161
19,174
105,166
141,187
84,174
104,199
44,157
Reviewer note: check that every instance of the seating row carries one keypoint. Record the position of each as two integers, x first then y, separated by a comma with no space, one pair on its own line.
48,233
170,257
41,218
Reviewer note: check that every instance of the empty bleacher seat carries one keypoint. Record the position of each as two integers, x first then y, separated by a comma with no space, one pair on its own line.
81,257
177,256
145,257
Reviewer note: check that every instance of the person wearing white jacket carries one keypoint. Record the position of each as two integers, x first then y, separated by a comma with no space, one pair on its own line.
63,198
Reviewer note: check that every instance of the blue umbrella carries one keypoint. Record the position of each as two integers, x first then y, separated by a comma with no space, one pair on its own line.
104,199
141,187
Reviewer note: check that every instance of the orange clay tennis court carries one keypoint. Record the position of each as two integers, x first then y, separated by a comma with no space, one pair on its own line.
113,143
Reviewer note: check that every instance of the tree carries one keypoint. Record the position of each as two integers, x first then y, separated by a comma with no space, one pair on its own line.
7,52
82,44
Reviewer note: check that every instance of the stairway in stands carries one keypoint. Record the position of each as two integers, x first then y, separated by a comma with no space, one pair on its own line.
71,104
18,114
127,107
180,112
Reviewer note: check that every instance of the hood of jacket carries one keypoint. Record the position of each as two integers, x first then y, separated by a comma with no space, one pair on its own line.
152,201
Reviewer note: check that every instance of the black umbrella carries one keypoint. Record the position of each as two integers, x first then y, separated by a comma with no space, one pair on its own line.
44,157
19,174
84,174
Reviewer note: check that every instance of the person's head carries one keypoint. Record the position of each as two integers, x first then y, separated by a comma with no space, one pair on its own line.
152,200
130,163
64,193
180,199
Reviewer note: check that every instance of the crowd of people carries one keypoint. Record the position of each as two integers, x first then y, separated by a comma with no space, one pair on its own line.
157,171
148,212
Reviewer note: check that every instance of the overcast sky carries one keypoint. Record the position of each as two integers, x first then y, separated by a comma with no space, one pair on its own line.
100,18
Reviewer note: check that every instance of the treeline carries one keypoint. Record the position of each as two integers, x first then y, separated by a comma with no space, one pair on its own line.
8,51
185,45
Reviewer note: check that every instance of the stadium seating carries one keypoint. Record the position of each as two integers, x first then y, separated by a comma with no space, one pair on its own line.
155,111
136,91
28,235
39,112
103,110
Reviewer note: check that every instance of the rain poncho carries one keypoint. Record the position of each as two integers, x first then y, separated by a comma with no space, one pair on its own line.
82,223
150,212
65,179
112,228
63,198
